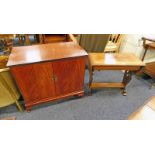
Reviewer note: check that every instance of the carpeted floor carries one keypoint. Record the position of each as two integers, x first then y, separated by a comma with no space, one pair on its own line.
104,104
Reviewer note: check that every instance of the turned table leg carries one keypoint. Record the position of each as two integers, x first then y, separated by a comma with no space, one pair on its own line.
126,79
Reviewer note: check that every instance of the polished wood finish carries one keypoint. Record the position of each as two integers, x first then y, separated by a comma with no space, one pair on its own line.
54,38
44,52
66,71
48,72
146,112
115,61
107,85
35,81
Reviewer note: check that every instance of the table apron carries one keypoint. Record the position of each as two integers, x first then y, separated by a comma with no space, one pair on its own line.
129,68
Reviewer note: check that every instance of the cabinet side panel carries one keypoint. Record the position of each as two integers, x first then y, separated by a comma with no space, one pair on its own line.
69,75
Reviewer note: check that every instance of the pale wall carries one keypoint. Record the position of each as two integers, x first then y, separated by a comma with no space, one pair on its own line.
133,43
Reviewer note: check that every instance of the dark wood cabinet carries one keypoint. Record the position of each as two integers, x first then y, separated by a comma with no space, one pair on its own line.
35,81
54,71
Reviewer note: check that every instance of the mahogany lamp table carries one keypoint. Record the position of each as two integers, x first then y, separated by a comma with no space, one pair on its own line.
113,61
48,72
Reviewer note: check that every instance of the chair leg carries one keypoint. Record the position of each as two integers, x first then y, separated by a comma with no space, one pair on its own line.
19,106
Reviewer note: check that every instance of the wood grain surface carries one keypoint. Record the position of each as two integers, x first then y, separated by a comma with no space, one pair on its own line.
114,59
44,52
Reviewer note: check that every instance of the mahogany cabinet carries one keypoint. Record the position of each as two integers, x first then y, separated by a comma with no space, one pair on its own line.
48,72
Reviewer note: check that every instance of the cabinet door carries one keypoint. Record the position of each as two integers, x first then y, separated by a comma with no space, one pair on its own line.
35,81
69,75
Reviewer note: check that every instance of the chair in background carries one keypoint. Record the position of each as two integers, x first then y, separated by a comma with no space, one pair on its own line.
148,44
114,43
150,67
27,39
6,43
9,93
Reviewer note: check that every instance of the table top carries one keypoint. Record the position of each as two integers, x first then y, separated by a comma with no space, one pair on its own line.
114,59
44,52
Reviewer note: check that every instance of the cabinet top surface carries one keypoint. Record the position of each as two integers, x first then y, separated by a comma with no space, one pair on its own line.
44,52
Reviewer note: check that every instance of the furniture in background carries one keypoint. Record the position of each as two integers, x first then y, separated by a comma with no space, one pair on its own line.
93,42
48,72
54,38
150,70
150,67
147,44
51,38
6,43
113,61
9,93
114,43
24,39
146,112
3,61
29,39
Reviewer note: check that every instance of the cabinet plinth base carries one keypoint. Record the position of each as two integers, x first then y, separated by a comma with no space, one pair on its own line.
28,106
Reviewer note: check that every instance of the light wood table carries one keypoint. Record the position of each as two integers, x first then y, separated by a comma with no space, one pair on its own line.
113,61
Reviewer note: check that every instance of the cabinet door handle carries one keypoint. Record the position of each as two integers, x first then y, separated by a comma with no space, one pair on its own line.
54,78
